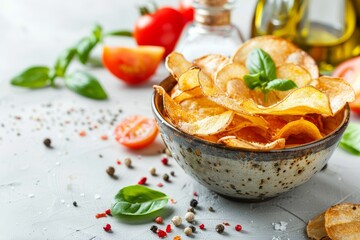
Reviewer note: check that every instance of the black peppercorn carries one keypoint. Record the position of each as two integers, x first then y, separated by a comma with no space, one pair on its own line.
110,171
192,228
193,203
211,209
154,228
47,142
166,177
172,173
75,203
220,228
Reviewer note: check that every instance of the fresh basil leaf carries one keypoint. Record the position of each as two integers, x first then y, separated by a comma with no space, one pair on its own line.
63,61
260,61
350,141
252,80
120,33
84,48
137,200
33,77
97,32
280,85
86,85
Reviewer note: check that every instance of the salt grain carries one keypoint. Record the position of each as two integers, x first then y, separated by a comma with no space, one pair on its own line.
31,195
97,196
281,226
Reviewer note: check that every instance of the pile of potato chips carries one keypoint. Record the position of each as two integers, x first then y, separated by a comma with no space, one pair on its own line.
338,222
212,101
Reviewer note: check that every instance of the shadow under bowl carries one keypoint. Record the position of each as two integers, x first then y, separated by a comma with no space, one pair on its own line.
244,174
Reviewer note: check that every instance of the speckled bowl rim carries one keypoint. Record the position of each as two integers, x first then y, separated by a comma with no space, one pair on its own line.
313,144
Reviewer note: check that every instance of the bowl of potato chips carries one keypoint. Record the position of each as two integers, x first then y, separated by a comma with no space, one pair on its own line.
253,125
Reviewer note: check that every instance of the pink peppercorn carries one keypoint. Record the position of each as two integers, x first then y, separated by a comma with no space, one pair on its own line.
195,194
165,161
168,228
202,226
107,228
238,227
161,233
142,181
108,212
160,185
159,220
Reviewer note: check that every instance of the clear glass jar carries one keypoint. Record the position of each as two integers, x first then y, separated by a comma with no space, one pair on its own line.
211,31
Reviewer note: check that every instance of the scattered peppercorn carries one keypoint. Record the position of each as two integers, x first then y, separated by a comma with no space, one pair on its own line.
176,220
188,231
226,223
238,227
108,212
142,181
195,194
104,137
193,203
168,228
152,171
191,209
100,155
154,228
193,228
161,233
82,133
220,228
172,173
166,177
160,184
177,237
159,220
128,162
189,216
47,142
211,209
75,204
165,161
107,228
110,171
202,226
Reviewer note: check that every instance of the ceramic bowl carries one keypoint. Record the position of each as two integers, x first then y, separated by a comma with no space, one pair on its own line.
243,173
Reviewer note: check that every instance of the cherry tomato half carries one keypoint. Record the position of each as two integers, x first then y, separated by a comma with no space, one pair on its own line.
132,65
350,71
136,132
161,28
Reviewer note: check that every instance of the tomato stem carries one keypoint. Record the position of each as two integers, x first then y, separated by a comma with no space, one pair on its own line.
144,10
123,33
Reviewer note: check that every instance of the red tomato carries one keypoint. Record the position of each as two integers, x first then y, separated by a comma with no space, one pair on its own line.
187,10
350,71
161,28
136,132
132,65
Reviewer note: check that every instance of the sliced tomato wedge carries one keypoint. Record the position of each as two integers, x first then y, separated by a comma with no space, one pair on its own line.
136,132
132,65
350,71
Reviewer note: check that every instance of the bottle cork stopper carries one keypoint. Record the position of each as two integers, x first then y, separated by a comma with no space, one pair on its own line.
213,3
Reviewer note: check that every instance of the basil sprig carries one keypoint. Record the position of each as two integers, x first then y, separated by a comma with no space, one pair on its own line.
262,74
138,200
350,141
79,82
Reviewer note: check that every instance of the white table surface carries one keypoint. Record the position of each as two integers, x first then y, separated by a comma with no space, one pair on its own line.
38,185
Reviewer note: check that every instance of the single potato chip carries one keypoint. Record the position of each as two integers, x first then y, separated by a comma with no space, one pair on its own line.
295,103
297,127
176,64
210,64
209,125
231,72
202,106
281,51
189,79
240,143
342,221
315,228
339,91
180,96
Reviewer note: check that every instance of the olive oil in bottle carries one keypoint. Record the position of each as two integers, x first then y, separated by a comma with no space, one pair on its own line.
328,30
